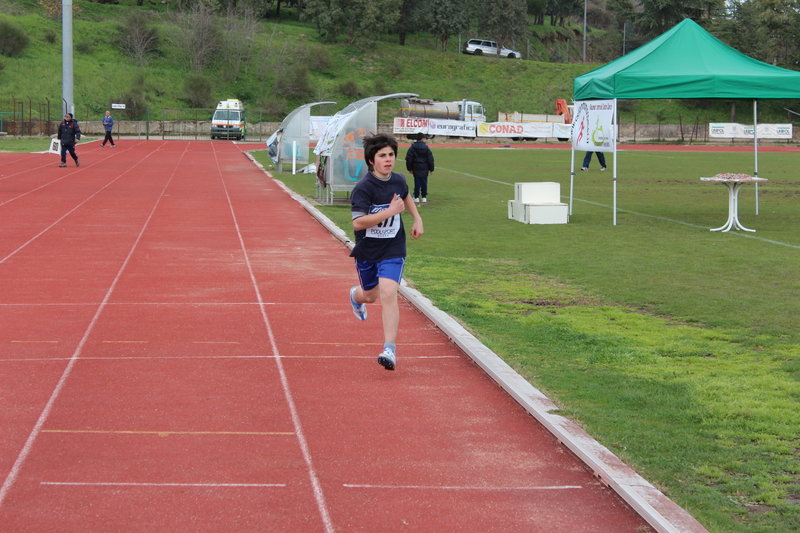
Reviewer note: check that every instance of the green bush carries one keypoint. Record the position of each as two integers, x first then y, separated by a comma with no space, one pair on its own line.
13,39
350,88
198,90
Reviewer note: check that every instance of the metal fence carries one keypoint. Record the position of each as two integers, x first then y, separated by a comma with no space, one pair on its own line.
195,124
24,117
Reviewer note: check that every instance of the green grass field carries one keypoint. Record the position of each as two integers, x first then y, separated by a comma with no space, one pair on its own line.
676,347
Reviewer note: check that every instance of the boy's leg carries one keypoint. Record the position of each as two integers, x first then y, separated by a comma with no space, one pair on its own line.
601,157
586,160
390,309
390,274
63,155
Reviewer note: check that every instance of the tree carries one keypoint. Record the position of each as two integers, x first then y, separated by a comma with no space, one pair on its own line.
360,19
137,39
443,19
560,10
240,27
406,21
504,21
197,38
537,10
658,16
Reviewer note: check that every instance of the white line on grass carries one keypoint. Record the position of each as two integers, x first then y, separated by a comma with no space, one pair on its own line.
796,247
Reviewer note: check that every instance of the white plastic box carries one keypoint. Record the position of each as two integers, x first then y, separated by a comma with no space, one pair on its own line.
538,203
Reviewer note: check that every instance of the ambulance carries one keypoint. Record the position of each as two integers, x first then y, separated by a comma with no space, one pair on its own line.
228,121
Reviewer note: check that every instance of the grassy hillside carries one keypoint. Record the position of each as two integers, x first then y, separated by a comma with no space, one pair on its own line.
289,66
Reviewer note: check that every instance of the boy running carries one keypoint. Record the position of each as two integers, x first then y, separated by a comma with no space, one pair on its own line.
378,200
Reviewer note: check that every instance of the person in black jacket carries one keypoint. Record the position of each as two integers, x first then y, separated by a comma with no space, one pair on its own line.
69,133
419,161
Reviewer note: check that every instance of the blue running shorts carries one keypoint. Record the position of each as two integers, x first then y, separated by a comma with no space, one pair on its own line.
369,272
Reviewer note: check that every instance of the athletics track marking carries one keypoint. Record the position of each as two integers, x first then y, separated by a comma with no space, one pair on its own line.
301,438
37,429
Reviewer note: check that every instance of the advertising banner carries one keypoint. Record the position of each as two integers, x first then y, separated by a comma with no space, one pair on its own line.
410,125
593,126
531,130
454,128
731,130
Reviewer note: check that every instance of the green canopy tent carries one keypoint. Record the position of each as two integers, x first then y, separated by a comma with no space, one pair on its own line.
687,62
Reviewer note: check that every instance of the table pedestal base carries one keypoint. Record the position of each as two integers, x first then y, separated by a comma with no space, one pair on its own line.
733,209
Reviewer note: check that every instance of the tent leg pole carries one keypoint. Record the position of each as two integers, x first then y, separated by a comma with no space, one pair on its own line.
571,179
755,144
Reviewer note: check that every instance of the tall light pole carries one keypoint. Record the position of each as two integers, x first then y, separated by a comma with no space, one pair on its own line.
585,2
66,56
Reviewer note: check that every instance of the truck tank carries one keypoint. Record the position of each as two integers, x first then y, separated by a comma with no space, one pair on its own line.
410,107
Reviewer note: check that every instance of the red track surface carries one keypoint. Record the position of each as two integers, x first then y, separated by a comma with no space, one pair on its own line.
177,353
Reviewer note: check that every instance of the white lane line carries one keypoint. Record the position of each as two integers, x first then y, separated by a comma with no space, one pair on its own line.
122,484
169,358
68,213
26,449
454,487
312,474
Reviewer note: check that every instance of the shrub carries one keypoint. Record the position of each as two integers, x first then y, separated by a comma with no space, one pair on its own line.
350,88
136,98
319,58
13,39
198,90
50,35
85,47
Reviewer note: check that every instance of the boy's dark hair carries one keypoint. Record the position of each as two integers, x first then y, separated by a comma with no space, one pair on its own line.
375,143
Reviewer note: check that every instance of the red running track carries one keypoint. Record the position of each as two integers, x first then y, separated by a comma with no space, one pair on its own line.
177,353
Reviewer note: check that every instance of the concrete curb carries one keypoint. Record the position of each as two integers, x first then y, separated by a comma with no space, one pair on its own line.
664,515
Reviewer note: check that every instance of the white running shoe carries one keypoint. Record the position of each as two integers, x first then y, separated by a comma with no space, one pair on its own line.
387,359
360,310
416,200
603,169
584,168
424,200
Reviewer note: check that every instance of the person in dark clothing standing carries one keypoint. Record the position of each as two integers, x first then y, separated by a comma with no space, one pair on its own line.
108,125
69,133
588,159
419,161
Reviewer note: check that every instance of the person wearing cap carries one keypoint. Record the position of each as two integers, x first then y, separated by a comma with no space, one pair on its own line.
69,133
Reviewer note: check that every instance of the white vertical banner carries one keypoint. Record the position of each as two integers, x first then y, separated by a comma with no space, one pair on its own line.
593,126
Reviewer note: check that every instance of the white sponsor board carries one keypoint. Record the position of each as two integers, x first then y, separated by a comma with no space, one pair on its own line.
453,128
731,130
456,128
410,125
593,126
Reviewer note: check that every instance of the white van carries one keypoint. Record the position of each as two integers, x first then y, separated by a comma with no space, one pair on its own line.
228,121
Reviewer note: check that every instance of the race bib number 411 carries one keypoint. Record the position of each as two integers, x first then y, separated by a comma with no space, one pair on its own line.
384,230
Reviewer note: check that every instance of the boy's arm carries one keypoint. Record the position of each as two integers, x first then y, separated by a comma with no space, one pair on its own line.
397,205
416,229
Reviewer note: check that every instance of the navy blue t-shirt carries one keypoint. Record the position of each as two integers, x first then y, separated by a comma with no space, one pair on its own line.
386,240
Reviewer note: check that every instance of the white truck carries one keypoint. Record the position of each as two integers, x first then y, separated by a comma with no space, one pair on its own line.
229,121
